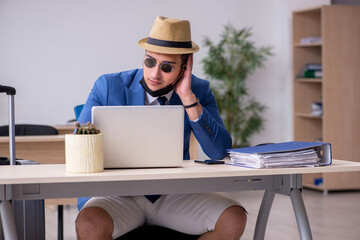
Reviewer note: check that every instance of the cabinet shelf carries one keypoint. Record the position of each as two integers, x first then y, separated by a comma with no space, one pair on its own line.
309,80
301,45
307,115
338,125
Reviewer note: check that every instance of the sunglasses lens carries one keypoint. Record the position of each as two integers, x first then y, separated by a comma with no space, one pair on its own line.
149,62
166,68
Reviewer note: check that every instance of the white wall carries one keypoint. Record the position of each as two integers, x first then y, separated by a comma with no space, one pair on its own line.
53,51
273,86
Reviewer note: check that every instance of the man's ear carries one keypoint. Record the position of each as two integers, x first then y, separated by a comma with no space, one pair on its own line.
183,67
185,59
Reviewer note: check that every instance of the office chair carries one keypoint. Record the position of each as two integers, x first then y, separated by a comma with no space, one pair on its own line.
148,232
29,129
77,110
156,232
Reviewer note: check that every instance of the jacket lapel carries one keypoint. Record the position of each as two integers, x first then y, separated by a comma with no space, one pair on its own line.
135,94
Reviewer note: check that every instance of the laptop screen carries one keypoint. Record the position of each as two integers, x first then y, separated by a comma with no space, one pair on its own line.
141,136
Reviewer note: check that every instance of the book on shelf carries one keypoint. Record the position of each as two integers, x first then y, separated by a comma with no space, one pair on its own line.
311,40
286,154
314,66
311,70
313,74
316,109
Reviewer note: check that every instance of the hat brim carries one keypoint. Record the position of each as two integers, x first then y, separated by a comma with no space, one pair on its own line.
167,50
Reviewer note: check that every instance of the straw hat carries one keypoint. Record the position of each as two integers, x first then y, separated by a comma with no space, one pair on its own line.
169,36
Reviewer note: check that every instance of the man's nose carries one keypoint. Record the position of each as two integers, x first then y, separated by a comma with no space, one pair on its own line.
156,72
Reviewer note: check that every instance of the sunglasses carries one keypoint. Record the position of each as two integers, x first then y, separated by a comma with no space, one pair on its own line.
164,66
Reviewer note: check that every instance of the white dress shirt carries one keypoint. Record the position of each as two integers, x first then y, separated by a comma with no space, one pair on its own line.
150,100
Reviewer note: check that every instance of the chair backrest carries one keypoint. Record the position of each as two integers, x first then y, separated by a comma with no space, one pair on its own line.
29,129
77,110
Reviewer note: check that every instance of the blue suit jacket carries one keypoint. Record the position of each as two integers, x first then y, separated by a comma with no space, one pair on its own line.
124,89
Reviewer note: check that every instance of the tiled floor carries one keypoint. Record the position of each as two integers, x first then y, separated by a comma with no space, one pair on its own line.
332,217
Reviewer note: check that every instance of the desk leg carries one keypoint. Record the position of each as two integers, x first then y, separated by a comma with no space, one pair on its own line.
300,214
1,230
8,220
29,219
60,209
289,185
263,215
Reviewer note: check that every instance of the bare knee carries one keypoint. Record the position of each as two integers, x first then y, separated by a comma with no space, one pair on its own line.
94,223
232,222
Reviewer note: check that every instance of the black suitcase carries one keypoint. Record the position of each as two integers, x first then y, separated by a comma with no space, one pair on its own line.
28,215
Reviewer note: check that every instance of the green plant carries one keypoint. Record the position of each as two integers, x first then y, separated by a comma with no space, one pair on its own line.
228,64
86,128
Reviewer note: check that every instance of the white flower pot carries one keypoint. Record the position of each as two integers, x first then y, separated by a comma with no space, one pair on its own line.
84,153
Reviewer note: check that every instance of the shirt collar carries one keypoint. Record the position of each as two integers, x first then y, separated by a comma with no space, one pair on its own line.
149,100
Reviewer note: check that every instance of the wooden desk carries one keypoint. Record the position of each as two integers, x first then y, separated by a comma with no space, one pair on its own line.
48,149
55,174
51,181
44,149
65,129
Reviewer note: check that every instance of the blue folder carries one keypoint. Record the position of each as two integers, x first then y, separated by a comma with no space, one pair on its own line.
322,149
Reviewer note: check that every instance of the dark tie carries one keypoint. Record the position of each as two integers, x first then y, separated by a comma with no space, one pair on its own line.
153,198
162,100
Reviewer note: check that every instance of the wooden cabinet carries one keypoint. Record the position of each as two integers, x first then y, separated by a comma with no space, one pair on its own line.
338,90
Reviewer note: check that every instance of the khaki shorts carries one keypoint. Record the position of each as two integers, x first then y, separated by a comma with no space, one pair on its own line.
188,213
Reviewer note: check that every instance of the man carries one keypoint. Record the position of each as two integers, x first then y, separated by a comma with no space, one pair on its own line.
165,79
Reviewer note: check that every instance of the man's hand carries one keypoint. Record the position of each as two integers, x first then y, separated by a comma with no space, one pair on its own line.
183,89
183,86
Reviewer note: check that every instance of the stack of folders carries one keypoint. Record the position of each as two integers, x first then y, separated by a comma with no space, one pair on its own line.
287,154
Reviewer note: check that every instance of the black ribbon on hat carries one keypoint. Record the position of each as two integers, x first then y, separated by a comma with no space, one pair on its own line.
164,43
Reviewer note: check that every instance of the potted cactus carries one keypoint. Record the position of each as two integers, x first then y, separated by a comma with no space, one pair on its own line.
84,151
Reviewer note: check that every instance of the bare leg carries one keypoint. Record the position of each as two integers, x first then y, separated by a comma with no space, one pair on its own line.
94,223
230,225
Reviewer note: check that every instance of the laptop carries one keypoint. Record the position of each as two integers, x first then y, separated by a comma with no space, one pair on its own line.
141,136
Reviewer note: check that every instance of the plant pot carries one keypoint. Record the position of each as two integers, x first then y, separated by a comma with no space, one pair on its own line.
84,153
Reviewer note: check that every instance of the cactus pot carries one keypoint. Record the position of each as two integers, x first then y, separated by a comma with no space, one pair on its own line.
84,153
